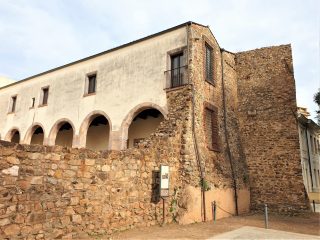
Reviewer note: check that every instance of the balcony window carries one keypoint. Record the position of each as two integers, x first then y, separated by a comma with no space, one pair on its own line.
177,70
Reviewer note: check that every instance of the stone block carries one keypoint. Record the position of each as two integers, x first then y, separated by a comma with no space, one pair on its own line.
13,160
11,230
105,168
11,209
74,201
90,162
76,218
69,174
36,180
34,156
4,222
12,171
19,218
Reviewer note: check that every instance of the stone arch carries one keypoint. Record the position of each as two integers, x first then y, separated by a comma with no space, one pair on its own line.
13,134
133,113
30,133
52,137
85,127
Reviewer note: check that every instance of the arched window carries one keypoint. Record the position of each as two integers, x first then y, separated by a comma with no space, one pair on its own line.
37,135
143,125
64,135
15,137
98,131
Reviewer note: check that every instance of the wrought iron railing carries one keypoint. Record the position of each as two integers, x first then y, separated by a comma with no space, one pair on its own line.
176,77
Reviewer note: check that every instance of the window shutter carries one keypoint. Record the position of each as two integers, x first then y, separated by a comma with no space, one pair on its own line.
209,63
212,129
215,131
208,127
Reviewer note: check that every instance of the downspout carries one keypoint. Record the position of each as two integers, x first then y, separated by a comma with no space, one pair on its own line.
309,157
194,137
226,136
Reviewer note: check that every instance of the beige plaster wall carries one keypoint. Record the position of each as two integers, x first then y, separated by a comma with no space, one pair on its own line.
37,139
98,137
224,201
126,78
64,138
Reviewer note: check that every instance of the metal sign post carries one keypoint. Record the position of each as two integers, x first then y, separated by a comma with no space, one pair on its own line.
164,187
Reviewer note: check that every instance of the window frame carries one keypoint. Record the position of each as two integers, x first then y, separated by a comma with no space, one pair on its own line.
87,84
209,44
181,63
215,132
42,95
33,103
167,72
13,104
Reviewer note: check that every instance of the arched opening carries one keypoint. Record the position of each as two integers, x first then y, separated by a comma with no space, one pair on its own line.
97,137
15,137
37,135
143,125
64,135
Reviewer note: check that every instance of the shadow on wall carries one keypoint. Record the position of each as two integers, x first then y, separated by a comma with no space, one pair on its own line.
143,125
98,134
95,131
65,135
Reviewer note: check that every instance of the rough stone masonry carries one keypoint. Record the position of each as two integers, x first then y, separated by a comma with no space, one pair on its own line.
56,192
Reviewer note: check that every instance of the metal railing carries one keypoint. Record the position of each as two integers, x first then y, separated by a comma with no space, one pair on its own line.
176,77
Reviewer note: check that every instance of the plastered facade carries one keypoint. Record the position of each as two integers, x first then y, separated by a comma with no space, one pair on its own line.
125,78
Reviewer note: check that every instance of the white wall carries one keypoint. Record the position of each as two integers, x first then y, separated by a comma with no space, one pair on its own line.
314,152
126,78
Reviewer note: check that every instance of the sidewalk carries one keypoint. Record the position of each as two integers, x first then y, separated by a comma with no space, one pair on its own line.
261,233
281,227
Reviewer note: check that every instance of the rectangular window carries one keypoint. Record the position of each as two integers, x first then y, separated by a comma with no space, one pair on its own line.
33,102
92,83
177,70
45,96
211,129
209,63
13,104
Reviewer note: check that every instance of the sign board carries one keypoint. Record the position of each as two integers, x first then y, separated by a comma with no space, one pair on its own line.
164,181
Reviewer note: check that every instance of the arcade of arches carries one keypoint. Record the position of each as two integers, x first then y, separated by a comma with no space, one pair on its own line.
97,130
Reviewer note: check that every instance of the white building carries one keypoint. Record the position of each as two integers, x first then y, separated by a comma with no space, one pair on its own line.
309,134
107,101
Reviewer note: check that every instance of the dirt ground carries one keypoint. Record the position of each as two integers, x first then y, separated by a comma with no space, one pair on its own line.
306,224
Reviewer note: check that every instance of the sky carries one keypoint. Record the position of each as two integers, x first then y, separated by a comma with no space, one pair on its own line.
36,35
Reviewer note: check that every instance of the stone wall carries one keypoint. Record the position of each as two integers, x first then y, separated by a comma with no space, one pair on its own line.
216,164
53,192
267,106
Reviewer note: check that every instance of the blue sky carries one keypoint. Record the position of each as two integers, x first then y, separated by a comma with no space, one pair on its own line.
39,35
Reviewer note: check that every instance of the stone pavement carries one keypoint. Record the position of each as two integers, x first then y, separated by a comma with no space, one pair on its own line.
261,233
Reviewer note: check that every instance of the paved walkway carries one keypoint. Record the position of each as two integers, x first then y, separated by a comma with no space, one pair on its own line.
261,233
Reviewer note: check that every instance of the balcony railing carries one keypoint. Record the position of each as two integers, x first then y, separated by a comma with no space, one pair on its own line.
176,77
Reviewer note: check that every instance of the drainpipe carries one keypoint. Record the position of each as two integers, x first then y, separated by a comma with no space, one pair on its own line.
226,136
194,137
309,157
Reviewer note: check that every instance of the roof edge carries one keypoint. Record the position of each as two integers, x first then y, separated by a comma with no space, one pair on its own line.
104,52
